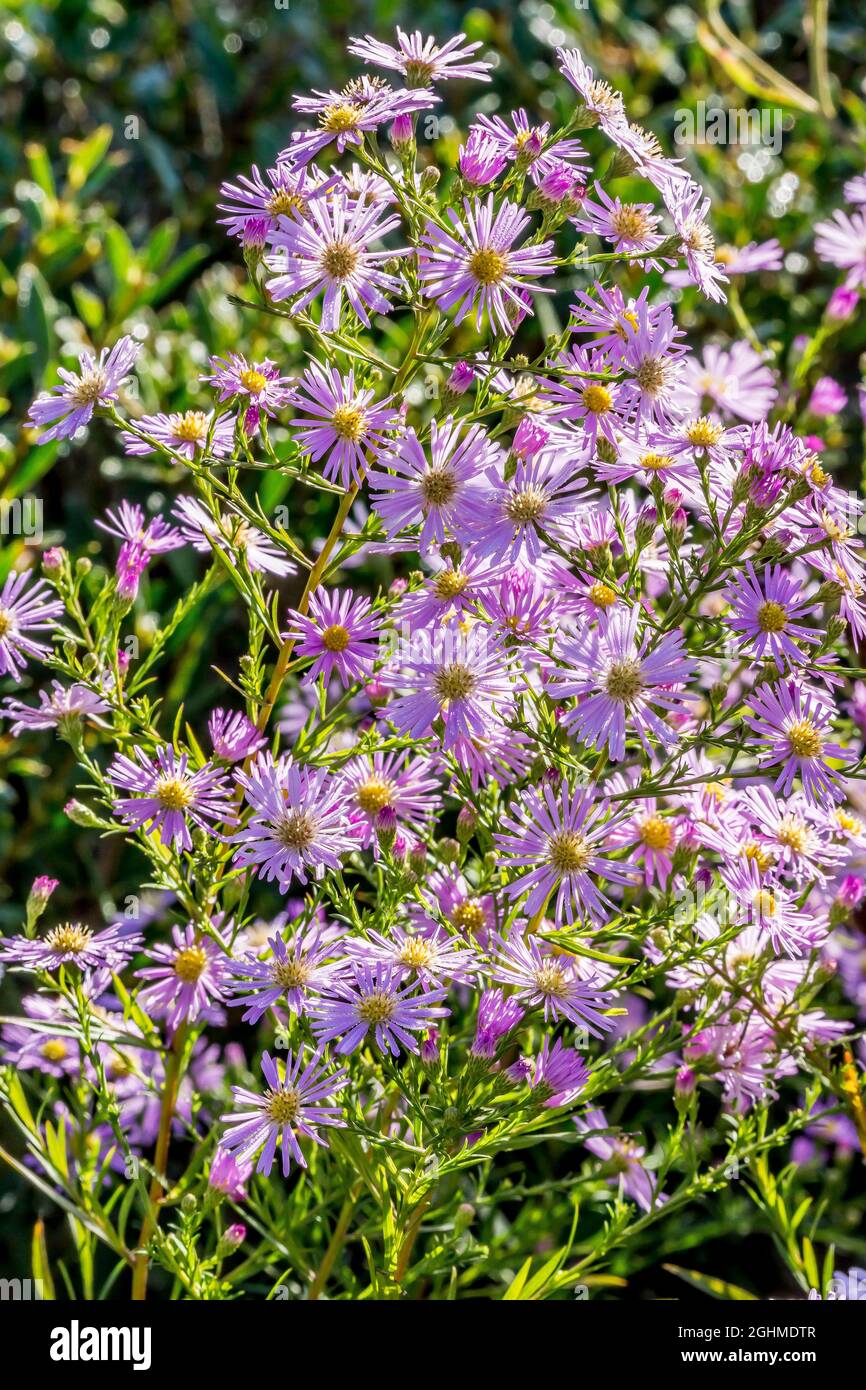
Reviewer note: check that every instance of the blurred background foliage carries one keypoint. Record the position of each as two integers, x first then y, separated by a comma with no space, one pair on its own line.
119,121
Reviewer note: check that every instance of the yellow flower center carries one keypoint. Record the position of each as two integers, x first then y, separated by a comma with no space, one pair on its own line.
758,855
70,939
764,903
468,916
374,795
6,621
487,266
348,422
624,680
601,595
88,388
438,486
377,1007
297,830
339,259
772,617
290,974
703,432
651,375
192,427
527,506
416,953
656,463
449,583
551,979
172,794
804,740
254,381
656,833
283,1105
725,254
454,681
190,964
336,638
54,1050
850,824
793,833
568,852
597,399
285,203
337,119
630,222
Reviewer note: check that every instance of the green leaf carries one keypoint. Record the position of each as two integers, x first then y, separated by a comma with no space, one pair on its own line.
707,1283
39,1255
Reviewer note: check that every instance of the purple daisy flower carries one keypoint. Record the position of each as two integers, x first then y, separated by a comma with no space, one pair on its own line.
189,433
20,614
559,1075
284,191
736,380
841,240
558,840
168,794
340,633
331,252
229,1177
793,723
767,612
70,405
434,493
188,979
624,1155
652,357
398,782
551,981
630,227
64,709
600,104
498,1015
231,532
461,679
233,735
293,1107
370,999
300,823
345,117
481,159
429,957
346,426
688,208
74,944
478,268
257,385
529,146
296,968
620,681
127,522
422,60
509,519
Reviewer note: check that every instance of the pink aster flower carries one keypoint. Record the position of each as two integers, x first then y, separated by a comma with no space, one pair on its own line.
794,723
828,397
422,60
345,117
462,679
65,710
331,252
767,614
299,825
546,980
559,1075
529,147
233,736
476,268
294,1107
284,191
625,1157
401,782
370,999
70,405
74,944
434,492
621,681
735,380
127,522
190,433
498,1015
481,159
841,240
340,422
340,633
558,841
512,516
257,387
630,227
22,613
190,977
233,533
600,104
169,796
688,208
429,957
292,971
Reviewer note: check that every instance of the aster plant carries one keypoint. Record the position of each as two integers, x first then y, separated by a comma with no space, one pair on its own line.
562,811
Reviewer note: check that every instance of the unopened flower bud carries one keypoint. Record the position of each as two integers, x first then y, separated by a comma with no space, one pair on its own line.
448,851
429,178
467,822
52,559
645,526
232,1239
385,825
37,901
